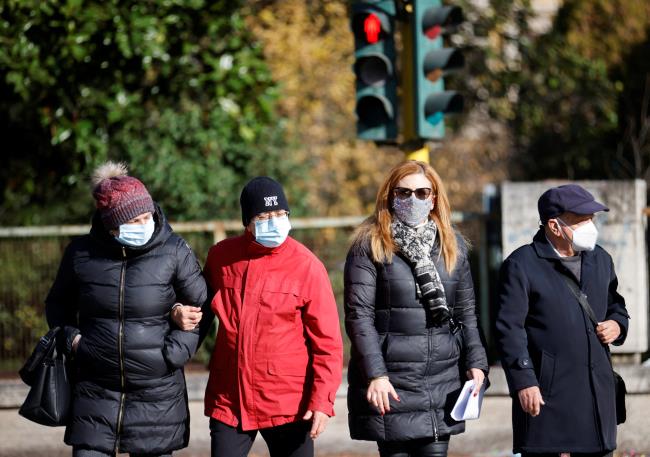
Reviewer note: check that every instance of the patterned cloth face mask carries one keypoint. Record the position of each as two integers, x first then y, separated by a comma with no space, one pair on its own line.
412,210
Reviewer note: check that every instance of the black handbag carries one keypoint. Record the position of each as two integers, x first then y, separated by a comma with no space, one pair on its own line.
619,383
48,400
621,390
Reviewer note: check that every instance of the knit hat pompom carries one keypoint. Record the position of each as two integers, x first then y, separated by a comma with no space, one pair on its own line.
119,197
109,170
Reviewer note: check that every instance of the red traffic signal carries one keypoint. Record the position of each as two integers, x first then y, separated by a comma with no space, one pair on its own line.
372,28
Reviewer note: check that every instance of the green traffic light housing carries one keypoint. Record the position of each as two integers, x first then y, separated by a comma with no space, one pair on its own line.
431,63
442,19
373,26
447,101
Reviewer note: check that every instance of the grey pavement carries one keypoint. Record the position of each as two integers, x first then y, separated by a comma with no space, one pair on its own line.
489,436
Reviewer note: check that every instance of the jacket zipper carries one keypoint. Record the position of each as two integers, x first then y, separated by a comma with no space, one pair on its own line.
427,387
120,347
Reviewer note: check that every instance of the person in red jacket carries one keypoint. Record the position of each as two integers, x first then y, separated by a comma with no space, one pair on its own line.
277,359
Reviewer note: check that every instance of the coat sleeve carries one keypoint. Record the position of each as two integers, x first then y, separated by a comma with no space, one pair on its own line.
321,320
360,285
208,315
616,309
465,312
61,302
512,340
190,289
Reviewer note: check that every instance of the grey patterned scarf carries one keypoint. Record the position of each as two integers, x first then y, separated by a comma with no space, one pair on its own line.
416,243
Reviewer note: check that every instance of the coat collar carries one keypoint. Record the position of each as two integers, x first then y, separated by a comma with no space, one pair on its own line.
545,250
255,249
543,247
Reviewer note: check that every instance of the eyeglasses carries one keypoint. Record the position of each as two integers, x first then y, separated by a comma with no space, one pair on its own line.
269,214
421,193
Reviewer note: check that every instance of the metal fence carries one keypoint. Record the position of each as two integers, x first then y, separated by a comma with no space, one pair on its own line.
30,257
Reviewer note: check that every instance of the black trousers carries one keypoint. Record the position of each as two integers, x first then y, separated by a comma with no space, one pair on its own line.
288,440
573,454
425,447
80,452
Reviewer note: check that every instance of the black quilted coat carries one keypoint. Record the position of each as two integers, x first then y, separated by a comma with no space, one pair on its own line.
129,395
391,335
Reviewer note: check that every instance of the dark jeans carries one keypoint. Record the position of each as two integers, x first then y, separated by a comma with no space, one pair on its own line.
425,447
79,452
289,440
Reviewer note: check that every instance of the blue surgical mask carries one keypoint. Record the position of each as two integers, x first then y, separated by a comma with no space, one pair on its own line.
136,234
273,231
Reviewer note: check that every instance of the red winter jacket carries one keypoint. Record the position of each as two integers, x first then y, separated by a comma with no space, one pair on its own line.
278,351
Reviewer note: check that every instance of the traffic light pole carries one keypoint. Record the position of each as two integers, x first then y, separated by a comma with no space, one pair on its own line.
421,155
413,148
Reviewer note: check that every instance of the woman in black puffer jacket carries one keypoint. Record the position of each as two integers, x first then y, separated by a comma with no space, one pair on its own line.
409,312
112,296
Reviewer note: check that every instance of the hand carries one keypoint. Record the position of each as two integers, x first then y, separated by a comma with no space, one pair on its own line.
378,392
476,375
608,331
75,343
531,400
318,424
186,317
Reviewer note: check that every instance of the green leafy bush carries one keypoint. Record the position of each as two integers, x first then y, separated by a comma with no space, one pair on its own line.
176,88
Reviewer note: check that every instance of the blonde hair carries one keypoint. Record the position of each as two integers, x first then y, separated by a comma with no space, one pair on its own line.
376,230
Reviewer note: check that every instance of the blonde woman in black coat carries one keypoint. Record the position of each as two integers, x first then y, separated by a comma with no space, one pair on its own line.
112,296
410,315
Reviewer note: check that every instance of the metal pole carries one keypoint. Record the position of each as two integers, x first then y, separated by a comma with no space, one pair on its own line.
489,192
421,154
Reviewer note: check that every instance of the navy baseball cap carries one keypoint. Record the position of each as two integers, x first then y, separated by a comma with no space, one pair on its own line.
568,198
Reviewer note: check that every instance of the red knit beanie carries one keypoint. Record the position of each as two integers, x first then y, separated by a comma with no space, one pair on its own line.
119,197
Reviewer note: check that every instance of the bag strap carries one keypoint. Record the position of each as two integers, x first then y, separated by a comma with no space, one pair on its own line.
582,299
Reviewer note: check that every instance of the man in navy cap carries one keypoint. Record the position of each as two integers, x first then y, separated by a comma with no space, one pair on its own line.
556,360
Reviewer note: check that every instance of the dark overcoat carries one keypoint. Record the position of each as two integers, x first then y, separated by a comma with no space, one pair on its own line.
546,340
390,334
129,395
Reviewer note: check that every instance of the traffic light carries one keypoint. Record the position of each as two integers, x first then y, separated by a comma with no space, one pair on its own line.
431,62
373,25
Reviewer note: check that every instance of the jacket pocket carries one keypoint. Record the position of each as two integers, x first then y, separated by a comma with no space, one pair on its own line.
85,355
282,387
281,303
546,373
270,292
288,367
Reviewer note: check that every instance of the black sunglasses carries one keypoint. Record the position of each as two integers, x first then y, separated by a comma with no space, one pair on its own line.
403,193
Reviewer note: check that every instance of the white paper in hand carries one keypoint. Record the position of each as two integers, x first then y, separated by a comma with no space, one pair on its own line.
467,406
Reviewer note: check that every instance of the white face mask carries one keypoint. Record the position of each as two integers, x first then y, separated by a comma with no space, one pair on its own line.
584,237
136,234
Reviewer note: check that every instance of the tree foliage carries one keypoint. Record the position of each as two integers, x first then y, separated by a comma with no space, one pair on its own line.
177,88
572,95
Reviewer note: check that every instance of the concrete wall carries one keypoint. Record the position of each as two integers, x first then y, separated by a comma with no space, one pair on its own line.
622,234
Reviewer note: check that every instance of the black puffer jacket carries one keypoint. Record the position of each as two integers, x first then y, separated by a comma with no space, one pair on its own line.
390,334
130,391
